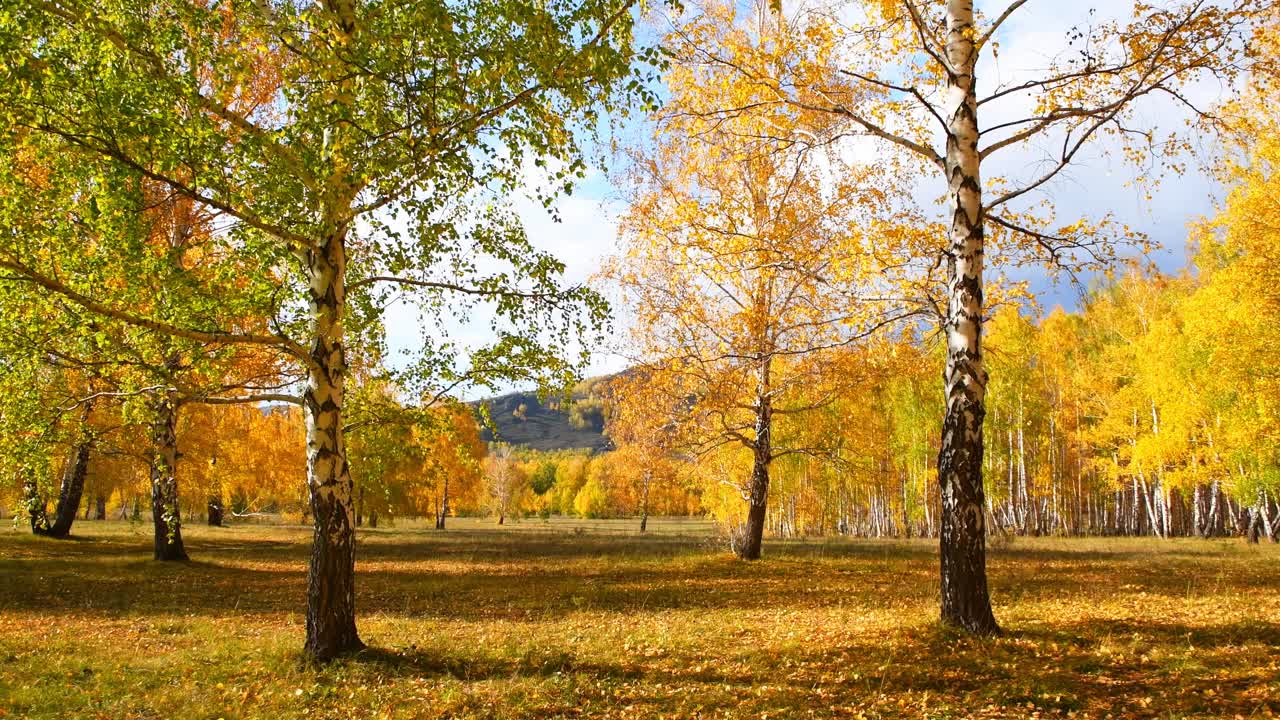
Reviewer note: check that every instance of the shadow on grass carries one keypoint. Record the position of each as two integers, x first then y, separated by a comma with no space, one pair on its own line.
725,624
1058,668
421,663
484,575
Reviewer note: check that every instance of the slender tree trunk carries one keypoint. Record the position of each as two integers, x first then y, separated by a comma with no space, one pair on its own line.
1055,520
908,528
1162,497
762,456
1013,518
70,489
1031,522
215,511
100,512
928,504
331,610
644,500
1152,520
444,504
37,511
1264,512
69,492
166,516
965,601
1216,524
1253,527
991,516
793,524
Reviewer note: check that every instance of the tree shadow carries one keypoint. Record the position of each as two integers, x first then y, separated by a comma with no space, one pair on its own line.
477,575
424,663
1057,668
522,584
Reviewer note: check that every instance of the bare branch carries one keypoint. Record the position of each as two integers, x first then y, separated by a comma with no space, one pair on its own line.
99,395
927,152
991,31
453,287
926,41
912,91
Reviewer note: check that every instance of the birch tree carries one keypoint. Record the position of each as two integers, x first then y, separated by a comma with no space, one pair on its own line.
506,482
162,255
752,250
376,167
909,80
641,424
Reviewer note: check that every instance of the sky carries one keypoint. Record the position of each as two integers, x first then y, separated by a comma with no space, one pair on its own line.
1097,184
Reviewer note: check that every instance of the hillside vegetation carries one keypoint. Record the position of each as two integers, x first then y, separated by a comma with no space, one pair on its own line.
548,424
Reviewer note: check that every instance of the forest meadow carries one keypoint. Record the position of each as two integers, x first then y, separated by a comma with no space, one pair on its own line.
639,359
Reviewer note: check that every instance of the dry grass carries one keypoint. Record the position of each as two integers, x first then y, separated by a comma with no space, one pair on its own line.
536,620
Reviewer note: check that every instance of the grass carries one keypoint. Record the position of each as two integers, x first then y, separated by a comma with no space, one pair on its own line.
561,619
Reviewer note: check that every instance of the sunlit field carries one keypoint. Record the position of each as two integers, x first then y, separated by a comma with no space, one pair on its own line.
589,619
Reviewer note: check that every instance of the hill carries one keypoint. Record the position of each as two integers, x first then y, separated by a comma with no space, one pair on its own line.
521,419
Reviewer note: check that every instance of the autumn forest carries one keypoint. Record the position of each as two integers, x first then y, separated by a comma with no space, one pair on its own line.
639,359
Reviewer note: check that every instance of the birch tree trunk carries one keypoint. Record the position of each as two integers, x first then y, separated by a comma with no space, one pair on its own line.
1214,524
965,601
762,455
331,612
1264,510
1166,509
69,492
753,532
444,503
1030,519
215,511
166,516
1013,518
1253,525
1214,521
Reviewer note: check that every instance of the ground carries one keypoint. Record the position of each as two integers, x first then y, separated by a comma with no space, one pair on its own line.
564,619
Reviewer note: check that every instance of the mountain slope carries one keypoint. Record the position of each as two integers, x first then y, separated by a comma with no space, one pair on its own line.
520,419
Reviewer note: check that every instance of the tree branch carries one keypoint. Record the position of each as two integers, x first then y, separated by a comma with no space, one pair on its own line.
206,336
453,287
991,31
246,399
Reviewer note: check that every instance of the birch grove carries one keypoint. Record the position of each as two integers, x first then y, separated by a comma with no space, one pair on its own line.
908,78
352,182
